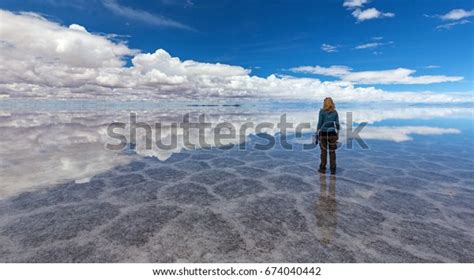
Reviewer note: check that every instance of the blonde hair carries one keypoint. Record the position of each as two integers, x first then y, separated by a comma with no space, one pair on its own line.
329,104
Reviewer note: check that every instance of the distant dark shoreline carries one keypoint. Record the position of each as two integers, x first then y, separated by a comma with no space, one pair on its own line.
196,105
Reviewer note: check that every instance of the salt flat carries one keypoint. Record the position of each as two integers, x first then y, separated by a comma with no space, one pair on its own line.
397,202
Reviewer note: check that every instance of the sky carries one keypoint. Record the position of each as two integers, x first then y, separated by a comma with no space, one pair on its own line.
353,50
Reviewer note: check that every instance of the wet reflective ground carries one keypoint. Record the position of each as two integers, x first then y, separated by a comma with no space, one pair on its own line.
409,201
65,198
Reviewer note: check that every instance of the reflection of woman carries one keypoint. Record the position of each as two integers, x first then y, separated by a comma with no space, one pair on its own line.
328,129
326,209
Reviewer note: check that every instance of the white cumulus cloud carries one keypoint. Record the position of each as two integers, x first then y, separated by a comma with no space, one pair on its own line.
392,76
329,48
453,18
43,59
354,3
371,13
361,14
457,14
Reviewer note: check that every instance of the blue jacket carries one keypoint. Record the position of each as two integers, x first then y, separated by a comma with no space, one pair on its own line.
328,121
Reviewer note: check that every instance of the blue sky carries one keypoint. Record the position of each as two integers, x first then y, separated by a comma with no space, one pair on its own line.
271,37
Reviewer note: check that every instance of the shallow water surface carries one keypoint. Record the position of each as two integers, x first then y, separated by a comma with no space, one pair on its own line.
408,198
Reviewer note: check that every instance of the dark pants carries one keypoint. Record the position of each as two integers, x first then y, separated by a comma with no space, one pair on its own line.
328,142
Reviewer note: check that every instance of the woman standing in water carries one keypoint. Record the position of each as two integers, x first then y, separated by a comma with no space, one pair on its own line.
328,130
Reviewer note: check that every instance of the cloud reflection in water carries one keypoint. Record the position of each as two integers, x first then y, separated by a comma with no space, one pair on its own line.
43,148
